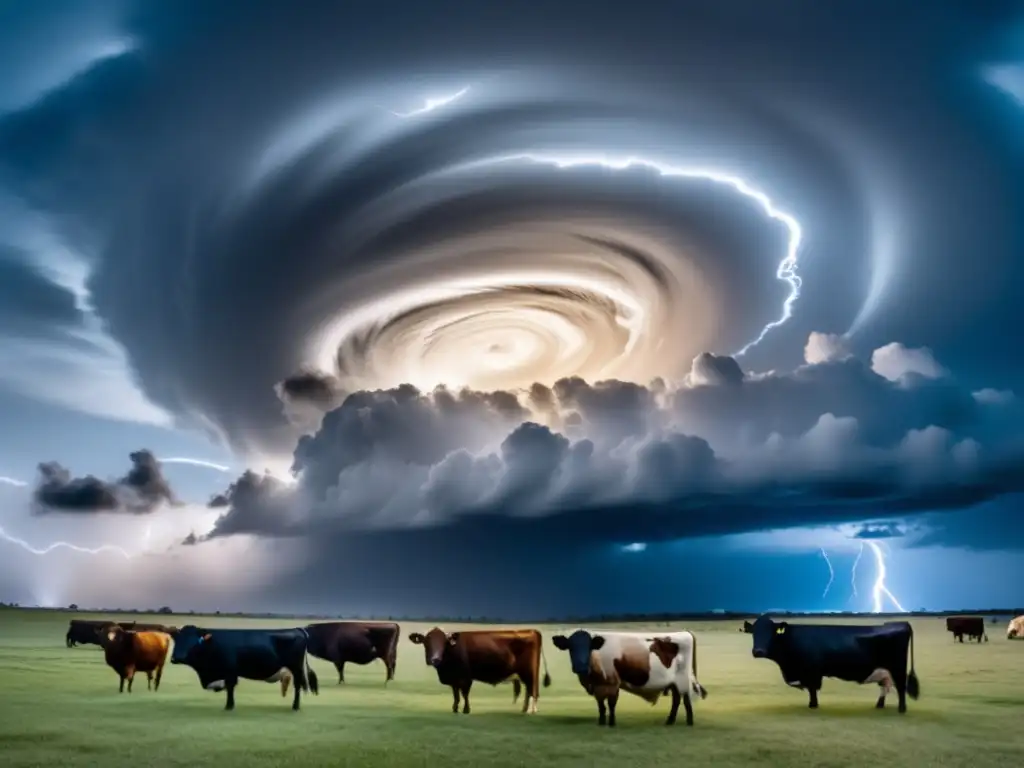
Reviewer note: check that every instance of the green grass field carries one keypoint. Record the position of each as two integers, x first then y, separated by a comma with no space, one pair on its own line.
60,707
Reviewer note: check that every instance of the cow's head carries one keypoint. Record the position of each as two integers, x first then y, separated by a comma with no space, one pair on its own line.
1013,629
769,636
579,644
189,641
435,643
113,636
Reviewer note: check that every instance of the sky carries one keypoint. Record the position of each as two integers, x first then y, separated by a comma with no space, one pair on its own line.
407,309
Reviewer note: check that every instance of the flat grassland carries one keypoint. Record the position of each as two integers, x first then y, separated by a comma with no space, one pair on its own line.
60,707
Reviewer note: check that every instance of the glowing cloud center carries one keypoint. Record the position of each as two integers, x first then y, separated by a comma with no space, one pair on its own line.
787,267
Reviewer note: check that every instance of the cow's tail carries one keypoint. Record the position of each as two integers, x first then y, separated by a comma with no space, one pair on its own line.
392,654
544,658
310,682
913,686
698,689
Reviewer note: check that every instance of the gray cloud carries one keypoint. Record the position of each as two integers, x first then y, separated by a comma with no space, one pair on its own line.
829,442
142,490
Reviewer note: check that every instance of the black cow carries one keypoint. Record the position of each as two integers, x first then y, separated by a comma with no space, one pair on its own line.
807,653
972,626
358,642
221,656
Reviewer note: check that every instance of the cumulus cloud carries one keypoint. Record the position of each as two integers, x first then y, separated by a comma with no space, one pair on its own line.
724,452
879,531
894,361
994,396
142,490
825,348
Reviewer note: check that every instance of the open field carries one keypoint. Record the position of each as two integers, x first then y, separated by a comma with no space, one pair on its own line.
60,706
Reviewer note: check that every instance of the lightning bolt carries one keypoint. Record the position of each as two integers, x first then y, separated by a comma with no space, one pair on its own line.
195,463
785,272
63,545
853,571
12,481
831,573
880,590
431,104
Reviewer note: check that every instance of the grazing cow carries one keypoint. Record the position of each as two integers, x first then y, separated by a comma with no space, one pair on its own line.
1015,629
129,651
84,632
355,641
221,657
491,656
807,653
638,663
972,626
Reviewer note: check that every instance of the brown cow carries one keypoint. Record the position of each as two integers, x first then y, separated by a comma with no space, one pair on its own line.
491,656
128,652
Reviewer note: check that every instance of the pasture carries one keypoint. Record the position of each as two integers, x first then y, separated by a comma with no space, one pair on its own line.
60,706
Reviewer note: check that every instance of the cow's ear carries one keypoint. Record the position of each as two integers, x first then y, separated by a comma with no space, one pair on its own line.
780,628
416,638
596,643
560,642
453,638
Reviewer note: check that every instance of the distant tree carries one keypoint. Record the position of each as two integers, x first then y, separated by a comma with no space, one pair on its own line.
73,607
165,610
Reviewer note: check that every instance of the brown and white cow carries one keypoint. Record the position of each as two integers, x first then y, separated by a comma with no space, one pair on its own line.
128,652
1015,629
490,656
648,665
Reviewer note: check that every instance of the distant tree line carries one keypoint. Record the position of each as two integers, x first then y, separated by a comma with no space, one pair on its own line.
606,618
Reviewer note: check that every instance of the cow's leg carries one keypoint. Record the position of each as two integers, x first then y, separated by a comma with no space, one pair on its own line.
149,680
529,685
130,672
675,705
688,706
121,688
901,692
601,716
813,686
516,690
465,696
612,701
229,686
296,691
340,666
159,676
455,699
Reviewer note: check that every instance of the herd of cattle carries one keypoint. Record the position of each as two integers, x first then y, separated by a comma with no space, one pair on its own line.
605,662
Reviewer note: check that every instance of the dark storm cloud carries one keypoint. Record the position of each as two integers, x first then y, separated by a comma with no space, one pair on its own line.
141,491
30,305
290,171
832,442
879,531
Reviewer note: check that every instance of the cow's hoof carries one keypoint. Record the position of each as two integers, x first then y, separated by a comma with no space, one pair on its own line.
602,721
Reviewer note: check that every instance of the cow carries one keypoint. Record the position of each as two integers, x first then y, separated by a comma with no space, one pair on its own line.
130,651
358,642
747,627
1015,629
221,657
972,626
489,656
647,665
84,632
807,653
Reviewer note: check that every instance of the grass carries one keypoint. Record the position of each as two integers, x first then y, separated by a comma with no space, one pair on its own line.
60,706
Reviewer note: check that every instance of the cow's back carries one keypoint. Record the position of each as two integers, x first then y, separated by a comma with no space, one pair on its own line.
494,656
150,649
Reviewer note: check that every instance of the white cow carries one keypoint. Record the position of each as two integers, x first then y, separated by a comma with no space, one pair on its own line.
1015,628
647,664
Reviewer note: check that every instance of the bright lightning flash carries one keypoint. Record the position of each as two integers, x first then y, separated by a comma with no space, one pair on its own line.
63,545
787,269
880,590
831,573
853,571
12,481
195,463
431,104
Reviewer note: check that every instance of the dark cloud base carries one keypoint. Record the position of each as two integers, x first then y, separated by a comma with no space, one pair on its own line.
141,491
